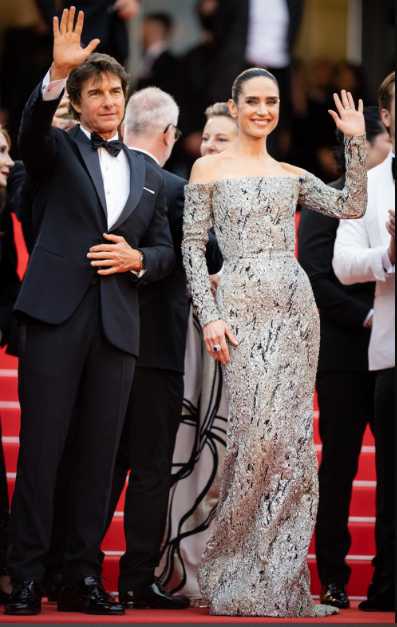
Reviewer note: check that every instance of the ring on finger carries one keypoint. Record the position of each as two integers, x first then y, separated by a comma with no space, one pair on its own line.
216,348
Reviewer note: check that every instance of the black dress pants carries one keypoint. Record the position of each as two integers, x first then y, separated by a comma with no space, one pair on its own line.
67,372
147,447
384,431
3,511
346,402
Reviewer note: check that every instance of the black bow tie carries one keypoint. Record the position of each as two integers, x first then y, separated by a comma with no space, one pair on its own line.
113,147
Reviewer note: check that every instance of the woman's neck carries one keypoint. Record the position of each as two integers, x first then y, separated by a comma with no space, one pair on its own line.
253,148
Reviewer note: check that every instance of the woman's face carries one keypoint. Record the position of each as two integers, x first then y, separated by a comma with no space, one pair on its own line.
258,107
6,162
219,132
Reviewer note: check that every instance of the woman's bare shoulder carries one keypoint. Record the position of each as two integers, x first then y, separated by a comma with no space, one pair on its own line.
206,170
293,169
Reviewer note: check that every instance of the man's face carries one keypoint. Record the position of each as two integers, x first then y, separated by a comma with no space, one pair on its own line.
102,105
389,118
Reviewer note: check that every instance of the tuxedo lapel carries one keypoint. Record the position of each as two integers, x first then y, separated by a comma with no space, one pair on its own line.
137,182
91,161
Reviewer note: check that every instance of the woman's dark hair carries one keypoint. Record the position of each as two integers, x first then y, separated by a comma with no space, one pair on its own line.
373,128
96,65
248,75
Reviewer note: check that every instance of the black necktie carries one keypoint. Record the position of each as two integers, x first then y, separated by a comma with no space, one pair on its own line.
113,147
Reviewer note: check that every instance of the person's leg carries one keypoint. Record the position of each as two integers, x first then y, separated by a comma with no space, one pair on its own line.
51,362
4,517
381,594
102,405
153,418
343,419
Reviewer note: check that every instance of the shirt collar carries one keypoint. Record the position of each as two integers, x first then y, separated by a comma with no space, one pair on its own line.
87,133
145,152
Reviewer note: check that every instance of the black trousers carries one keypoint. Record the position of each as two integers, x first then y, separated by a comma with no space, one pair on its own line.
384,431
146,447
346,402
67,372
3,511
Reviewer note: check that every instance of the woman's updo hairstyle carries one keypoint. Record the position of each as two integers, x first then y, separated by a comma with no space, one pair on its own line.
247,75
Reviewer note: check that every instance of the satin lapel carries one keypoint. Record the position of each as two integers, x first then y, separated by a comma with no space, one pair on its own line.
91,161
137,182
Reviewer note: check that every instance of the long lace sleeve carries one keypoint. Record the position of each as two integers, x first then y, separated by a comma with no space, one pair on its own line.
198,219
350,202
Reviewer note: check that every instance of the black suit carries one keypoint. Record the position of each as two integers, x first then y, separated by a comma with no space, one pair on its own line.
100,21
155,404
79,338
345,389
165,73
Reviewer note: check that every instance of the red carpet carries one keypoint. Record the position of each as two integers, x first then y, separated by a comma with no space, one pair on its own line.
193,616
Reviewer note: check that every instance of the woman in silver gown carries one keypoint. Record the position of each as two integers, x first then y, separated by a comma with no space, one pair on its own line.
263,327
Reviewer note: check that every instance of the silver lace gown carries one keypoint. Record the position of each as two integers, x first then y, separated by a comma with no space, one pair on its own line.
255,563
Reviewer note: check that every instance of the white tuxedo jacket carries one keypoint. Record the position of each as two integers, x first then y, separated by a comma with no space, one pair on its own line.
360,256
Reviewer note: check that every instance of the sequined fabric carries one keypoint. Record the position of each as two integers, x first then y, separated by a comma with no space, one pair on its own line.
255,563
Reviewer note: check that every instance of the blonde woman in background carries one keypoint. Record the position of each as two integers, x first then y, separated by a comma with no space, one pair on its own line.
200,446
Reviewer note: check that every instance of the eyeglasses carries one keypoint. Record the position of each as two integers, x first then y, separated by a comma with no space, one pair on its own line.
178,132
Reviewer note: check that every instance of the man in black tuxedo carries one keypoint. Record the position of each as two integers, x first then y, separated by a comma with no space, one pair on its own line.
155,406
105,19
161,68
344,384
78,307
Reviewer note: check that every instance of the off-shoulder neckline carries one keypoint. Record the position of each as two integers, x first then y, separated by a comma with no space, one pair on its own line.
238,179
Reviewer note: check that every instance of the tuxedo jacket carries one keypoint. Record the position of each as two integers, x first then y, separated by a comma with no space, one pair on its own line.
165,305
343,309
100,21
70,198
358,258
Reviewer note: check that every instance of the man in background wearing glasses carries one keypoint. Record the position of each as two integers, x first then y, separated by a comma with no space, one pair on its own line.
155,406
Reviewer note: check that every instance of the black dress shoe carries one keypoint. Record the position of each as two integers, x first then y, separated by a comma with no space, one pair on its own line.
88,597
25,599
381,603
152,596
334,595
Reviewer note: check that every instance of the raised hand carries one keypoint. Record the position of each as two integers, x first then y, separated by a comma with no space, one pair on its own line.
68,51
349,120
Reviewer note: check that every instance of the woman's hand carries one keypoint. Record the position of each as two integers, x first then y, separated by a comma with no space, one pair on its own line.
216,335
350,120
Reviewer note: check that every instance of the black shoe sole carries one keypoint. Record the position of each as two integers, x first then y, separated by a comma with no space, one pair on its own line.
22,613
80,610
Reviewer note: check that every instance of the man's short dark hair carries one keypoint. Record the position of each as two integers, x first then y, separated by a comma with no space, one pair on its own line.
386,91
96,65
165,19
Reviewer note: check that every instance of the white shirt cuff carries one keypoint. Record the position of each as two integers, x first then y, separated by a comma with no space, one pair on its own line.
387,264
140,274
52,90
369,318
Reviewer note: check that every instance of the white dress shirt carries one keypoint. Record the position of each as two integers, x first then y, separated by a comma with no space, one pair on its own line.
268,33
115,171
361,255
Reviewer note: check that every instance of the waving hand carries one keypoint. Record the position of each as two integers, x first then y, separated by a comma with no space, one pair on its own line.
349,120
68,51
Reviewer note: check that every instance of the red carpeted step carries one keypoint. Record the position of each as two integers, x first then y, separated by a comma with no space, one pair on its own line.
361,574
9,417
363,540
